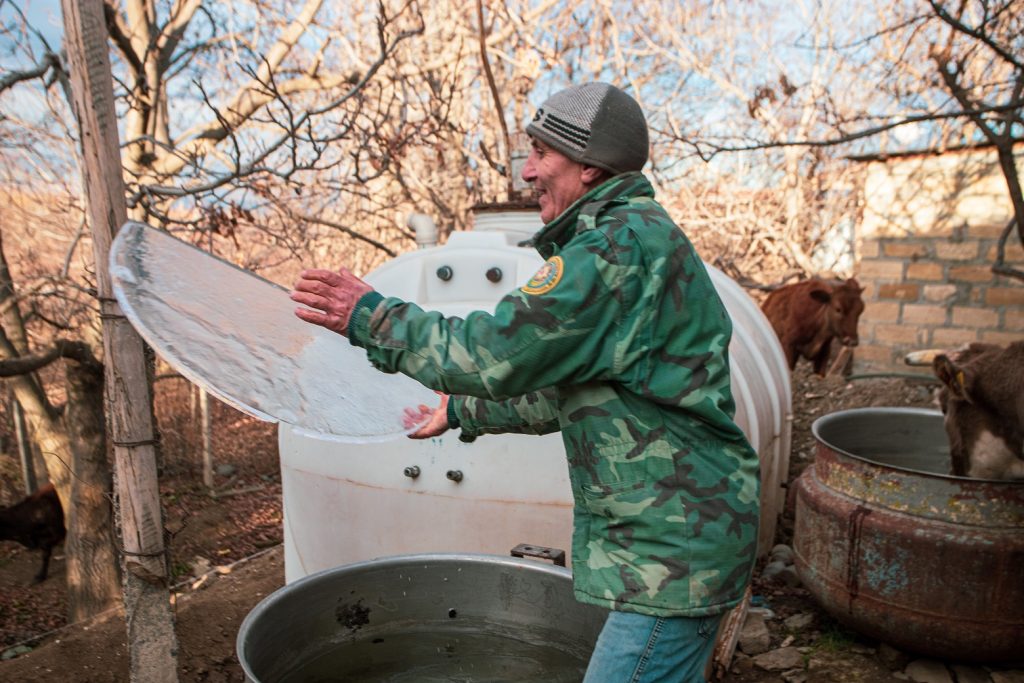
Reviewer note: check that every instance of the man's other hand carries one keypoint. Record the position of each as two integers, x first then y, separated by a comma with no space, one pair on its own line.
435,420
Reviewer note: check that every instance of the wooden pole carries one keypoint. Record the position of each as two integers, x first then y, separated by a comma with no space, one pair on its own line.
839,364
28,468
152,643
207,428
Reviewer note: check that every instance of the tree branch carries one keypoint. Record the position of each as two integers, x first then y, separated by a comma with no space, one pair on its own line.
174,30
252,165
345,229
851,137
1000,267
118,32
494,92
62,348
249,99
977,34
12,78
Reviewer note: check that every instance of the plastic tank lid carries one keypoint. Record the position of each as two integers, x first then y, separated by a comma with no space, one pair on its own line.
235,335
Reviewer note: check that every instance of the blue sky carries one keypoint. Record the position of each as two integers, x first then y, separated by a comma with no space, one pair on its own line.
45,17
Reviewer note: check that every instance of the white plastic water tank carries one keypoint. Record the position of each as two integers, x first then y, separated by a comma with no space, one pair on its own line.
346,503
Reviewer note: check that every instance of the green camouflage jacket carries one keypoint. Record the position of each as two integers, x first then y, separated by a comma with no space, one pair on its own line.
619,341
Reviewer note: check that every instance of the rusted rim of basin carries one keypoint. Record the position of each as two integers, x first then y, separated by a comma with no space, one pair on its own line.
821,426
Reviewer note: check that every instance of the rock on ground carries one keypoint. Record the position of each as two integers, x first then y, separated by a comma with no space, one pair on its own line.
928,671
755,638
783,659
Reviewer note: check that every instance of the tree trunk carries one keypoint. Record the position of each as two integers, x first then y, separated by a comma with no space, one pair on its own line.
94,582
1008,164
44,423
74,451
794,212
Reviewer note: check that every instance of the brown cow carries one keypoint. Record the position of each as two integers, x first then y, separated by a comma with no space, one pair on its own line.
808,315
983,403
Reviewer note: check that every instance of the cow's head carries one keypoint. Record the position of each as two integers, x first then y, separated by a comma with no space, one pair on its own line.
983,407
843,306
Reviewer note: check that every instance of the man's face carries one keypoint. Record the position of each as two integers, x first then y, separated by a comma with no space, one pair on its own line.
557,179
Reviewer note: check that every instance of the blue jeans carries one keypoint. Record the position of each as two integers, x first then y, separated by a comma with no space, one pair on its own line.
634,648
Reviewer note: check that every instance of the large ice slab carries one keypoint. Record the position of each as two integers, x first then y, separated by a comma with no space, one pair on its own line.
235,334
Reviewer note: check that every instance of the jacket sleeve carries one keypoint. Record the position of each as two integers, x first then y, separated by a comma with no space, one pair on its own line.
532,413
561,328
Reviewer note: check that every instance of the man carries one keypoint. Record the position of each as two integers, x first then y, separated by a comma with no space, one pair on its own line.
621,343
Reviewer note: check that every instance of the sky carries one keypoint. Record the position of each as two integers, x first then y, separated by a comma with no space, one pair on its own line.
45,17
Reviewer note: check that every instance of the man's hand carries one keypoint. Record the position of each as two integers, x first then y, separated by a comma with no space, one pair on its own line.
330,297
436,419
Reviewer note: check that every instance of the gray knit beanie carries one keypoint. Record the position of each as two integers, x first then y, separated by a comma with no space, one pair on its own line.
595,124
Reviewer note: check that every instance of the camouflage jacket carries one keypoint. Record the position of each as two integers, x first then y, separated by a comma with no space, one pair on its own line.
619,341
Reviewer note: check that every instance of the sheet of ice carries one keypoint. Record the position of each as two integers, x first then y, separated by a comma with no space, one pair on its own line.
235,334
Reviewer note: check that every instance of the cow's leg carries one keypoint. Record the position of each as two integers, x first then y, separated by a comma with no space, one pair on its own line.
791,356
821,360
45,569
959,463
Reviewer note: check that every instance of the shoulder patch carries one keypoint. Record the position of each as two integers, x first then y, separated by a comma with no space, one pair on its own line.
545,279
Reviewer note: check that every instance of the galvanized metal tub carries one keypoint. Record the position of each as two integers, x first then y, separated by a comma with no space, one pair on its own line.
897,549
436,617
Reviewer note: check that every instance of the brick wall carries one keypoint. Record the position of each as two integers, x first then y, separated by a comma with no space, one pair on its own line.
925,247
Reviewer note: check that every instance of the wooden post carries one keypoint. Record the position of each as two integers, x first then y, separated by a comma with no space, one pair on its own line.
28,467
152,643
839,364
206,425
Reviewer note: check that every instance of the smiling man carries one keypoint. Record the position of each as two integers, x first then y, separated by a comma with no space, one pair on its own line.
620,342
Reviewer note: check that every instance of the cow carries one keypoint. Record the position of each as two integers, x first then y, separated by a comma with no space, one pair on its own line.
982,401
36,522
808,315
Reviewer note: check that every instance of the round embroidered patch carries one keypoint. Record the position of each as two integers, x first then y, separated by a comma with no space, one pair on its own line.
545,279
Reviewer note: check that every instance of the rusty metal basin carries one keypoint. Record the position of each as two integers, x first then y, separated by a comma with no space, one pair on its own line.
895,548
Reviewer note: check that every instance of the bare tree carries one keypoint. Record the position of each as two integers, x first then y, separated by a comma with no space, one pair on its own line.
981,63
44,321
72,439
289,116
951,71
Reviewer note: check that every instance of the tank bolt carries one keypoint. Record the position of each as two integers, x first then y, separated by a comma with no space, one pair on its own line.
494,274
445,273
454,475
412,472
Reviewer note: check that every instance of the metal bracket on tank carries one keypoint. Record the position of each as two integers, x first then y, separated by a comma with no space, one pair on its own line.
554,554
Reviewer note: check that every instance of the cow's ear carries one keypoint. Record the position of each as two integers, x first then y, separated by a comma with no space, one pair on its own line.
952,375
821,295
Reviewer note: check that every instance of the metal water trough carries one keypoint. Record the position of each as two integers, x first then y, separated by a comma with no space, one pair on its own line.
434,617
894,547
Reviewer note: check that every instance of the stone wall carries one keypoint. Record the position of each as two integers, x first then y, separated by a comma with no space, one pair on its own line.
925,246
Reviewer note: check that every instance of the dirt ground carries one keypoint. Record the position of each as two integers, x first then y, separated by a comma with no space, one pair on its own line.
225,556
224,531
